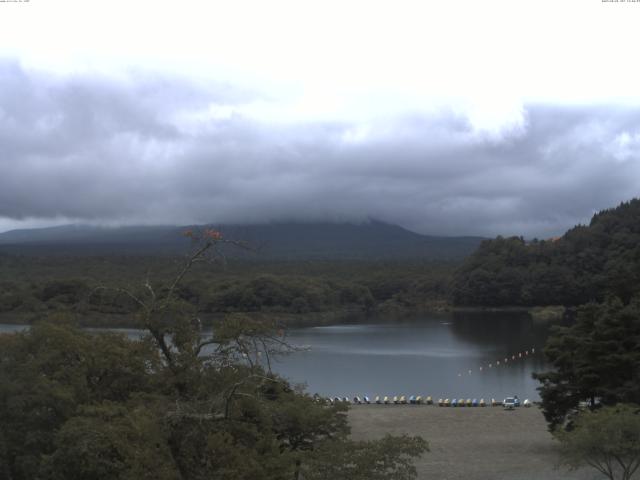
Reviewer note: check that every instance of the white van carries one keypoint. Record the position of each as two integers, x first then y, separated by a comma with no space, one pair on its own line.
509,403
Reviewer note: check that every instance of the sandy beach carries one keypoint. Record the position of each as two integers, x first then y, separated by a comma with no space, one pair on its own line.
470,443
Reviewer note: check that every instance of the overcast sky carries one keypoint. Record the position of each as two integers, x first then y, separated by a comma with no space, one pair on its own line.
465,117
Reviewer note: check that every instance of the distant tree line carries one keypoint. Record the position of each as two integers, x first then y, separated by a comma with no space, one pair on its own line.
31,287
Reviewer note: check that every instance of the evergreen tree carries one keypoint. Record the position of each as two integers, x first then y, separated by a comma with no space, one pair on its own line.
597,360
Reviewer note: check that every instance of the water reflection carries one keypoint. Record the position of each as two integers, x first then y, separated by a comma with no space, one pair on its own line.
433,355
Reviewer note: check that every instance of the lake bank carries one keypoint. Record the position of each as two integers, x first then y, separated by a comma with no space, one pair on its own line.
288,319
470,443
105,320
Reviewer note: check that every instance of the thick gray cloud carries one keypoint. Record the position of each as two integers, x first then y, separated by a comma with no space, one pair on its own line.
145,149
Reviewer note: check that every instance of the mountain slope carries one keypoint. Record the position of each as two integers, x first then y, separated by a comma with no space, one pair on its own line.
370,240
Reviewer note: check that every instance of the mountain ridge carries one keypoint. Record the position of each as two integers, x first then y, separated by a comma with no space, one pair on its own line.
282,240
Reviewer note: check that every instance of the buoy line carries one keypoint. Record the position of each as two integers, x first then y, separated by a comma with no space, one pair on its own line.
501,362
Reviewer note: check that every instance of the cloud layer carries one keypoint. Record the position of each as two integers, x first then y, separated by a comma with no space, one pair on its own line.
158,149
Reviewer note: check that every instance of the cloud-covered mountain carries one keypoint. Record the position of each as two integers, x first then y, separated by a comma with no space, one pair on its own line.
277,241
155,149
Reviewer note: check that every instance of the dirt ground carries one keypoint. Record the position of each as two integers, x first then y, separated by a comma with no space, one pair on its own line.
470,443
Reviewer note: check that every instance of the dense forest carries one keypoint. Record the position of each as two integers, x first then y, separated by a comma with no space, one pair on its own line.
31,287
588,263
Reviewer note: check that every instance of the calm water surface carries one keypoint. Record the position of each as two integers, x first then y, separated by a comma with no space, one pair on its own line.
442,356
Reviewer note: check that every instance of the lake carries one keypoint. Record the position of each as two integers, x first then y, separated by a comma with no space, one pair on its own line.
449,356
444,356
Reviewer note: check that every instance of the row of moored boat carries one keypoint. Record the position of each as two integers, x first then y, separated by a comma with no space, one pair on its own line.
419,400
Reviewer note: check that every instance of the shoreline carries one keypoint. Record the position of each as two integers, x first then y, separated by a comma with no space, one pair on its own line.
296,320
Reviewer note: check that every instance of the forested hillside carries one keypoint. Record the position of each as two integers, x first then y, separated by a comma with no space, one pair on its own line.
586,264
